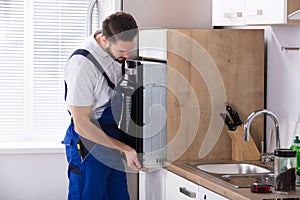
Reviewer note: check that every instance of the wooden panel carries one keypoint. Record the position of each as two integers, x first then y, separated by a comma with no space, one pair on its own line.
242,150
292,6
239,58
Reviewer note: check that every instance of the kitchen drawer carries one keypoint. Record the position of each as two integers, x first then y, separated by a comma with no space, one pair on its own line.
228,13
205,194
178,188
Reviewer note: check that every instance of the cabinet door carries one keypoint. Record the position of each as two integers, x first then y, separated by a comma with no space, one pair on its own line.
205,194
180,188
227,12
265,12
150,48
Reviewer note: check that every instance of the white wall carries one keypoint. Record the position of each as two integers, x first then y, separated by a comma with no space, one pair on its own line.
283,81
33,177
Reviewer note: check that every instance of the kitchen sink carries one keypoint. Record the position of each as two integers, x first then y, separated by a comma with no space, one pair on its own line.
237,174
232,168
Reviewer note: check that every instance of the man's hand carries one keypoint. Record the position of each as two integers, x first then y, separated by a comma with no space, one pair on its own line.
132,160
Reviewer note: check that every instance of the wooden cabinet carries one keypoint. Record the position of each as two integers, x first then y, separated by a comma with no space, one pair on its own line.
253,12
203,64
178,187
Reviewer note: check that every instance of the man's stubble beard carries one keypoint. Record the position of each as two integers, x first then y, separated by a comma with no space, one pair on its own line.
108,50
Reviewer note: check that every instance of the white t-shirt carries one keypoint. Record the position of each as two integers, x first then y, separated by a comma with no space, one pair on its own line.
86,86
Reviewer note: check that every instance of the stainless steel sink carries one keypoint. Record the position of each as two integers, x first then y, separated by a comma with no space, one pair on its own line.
237,174
232,168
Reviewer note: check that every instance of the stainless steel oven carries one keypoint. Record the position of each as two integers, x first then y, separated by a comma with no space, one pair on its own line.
144,119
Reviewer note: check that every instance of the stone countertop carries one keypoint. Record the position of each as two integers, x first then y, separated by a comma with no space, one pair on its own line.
225,189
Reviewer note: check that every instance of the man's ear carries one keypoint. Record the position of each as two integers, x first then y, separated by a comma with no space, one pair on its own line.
104,41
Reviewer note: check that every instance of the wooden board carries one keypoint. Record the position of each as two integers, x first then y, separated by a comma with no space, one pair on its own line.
242,150
292,6
239,58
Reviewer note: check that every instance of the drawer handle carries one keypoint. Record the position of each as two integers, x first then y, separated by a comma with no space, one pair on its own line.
233,15
259,12
188,193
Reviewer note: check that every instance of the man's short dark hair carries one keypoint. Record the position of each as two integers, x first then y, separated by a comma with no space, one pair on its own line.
119,26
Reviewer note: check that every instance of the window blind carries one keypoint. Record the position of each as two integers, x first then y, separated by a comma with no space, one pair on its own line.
58,27
36,39
11,69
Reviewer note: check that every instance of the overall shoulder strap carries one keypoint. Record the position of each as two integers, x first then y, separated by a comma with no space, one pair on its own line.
89,56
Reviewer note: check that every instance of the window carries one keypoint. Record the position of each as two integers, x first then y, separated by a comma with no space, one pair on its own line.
36,39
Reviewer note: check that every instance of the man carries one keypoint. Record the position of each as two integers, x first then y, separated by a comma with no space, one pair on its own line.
93,149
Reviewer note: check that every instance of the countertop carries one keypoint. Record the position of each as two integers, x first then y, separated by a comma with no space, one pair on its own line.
225,189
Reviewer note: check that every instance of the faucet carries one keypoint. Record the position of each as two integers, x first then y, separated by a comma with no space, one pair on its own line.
254,115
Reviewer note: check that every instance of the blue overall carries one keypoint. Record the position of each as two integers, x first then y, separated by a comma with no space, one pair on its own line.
96,172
